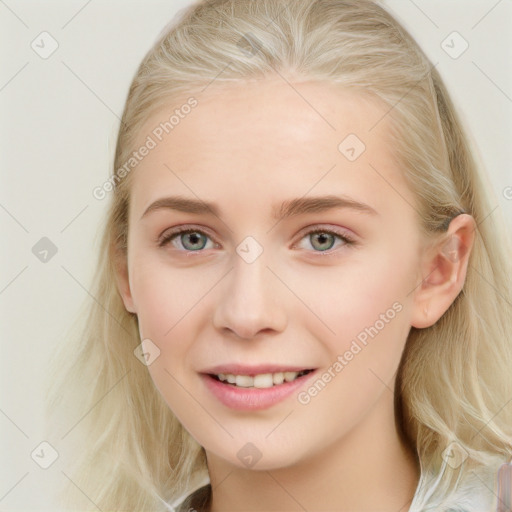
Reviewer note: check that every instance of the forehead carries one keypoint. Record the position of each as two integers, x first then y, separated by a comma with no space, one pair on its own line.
279,112
268,133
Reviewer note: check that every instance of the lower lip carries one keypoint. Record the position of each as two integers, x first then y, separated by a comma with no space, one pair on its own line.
253,399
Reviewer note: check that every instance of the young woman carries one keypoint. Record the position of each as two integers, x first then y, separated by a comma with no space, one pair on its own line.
302,299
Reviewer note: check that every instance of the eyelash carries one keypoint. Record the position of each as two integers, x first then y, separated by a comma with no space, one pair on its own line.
166,238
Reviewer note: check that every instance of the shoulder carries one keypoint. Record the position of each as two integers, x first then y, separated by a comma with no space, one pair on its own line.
476,492
198,492
198,501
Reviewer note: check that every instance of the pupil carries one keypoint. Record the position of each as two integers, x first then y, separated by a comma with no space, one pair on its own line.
324,238
194,239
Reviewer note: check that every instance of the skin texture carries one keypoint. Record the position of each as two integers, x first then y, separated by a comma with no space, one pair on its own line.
247,148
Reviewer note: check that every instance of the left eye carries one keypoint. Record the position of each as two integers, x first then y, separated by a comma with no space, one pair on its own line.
323,240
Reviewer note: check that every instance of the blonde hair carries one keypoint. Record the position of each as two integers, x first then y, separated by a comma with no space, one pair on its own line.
454,378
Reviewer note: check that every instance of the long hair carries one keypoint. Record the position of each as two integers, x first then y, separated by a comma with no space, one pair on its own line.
454,378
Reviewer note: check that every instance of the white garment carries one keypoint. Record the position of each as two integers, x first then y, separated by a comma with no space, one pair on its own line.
477,493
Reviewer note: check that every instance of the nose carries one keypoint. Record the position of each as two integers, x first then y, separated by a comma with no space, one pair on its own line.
250,301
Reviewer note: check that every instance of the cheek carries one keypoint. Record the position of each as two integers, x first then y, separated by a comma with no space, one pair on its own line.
368,291
370,321
171,306
164,296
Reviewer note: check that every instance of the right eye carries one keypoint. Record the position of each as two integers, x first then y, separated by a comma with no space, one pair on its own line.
185,239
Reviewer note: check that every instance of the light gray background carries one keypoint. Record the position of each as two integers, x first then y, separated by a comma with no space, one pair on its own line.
59,122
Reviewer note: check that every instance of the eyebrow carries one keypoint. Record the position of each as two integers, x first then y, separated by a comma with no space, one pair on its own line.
289,208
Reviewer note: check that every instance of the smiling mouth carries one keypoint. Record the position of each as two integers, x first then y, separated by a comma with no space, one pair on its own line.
260,381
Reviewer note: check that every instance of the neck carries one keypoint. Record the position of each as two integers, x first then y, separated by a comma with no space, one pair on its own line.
369,469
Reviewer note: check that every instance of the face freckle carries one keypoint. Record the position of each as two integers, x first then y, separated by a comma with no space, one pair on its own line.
252,290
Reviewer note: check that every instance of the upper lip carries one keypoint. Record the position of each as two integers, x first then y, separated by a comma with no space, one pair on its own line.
239,369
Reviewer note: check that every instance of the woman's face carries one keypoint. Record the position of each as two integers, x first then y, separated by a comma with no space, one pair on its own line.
253,296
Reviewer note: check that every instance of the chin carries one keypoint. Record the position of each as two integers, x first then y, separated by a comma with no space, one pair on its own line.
258,457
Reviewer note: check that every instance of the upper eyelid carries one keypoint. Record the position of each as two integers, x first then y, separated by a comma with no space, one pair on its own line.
323,228
178,230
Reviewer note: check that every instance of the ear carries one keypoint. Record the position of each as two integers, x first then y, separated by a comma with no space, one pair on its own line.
123,280
444,269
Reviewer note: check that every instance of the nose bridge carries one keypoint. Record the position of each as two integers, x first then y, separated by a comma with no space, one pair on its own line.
249,301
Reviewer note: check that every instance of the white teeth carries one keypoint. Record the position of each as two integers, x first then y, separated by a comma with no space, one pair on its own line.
289,376
244,381
261,381
278,378
264,380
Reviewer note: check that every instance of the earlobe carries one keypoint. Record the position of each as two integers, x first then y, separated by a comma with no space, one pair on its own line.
444,272
123,281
